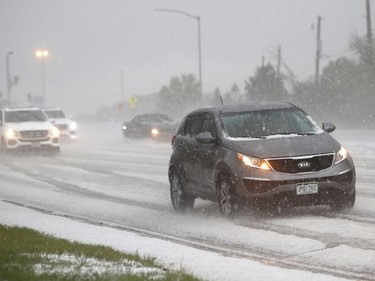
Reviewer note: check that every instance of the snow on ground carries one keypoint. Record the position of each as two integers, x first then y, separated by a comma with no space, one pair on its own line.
207,265
91,179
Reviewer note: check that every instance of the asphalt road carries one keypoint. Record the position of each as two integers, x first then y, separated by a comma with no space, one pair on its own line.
104,179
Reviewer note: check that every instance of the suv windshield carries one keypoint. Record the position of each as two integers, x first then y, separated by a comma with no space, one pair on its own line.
263,123
54,114
24,116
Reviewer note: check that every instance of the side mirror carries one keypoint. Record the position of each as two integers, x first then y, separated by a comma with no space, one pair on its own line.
328,127
205,137
53,121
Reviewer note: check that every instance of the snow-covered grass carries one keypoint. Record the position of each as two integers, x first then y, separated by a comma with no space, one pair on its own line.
205,264
29,255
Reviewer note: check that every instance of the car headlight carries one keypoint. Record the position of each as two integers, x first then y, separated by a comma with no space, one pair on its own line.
341,155
124,127
253,162
10,133
154,132
54,132
72,125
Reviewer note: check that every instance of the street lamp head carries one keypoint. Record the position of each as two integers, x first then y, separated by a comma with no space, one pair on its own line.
41,53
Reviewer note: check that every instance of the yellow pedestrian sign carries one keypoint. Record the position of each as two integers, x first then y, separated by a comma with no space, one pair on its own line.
132,100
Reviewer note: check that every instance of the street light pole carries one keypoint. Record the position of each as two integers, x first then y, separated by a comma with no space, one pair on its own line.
199,40
42,54
9,86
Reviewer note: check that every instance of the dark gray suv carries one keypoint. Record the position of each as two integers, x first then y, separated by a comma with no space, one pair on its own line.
271,153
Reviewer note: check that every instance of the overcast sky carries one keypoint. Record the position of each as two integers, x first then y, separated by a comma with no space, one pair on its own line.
90,41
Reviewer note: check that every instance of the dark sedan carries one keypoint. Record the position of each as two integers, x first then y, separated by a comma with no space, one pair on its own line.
151,125
271,153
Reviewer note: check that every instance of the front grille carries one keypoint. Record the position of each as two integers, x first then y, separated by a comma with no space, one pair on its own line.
302,164
34,140
37,134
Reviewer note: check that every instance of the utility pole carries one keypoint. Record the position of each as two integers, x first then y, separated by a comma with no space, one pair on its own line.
278,61
9,82
200,55
122,86
318,52
369,31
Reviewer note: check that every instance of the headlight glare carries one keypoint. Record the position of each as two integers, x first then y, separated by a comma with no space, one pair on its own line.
72,125
341,155
10,133
154,132
55,132
253,162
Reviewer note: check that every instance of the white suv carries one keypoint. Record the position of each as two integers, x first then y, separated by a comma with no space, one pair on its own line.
27,129
66,126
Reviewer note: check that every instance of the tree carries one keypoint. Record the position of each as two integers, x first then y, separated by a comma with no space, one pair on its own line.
266,85
364,49
180,95
235,88
348,90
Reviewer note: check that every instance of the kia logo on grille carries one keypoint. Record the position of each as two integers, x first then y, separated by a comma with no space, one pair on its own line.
304,165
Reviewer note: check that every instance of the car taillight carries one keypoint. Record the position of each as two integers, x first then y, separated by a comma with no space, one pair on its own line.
173,139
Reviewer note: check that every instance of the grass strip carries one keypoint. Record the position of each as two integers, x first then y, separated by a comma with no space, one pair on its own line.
26,254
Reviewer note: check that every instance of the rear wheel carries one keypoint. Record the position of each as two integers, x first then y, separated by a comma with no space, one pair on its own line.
181,201
344,201
228,200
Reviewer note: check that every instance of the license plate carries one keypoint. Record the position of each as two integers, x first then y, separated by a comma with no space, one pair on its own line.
307,188
35,144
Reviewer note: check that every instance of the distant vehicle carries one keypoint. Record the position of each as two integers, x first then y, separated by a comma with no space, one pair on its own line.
152,125
27,129
271,154
66,126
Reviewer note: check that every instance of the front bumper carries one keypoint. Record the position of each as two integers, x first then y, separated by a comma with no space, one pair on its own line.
68,134
281,188
46,143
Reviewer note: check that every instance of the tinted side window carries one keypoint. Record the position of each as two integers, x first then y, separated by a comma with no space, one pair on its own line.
181,128
200,123
194,124
137,119
209,124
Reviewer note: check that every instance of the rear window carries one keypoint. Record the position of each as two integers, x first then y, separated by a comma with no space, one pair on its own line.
24,116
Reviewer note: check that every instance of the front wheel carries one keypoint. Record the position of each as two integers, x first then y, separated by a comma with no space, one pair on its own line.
54,151
229,201
181,201
3,147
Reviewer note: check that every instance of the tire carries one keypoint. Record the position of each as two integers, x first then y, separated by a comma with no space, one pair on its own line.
181,201
3,147
344,201
54,151
228,200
